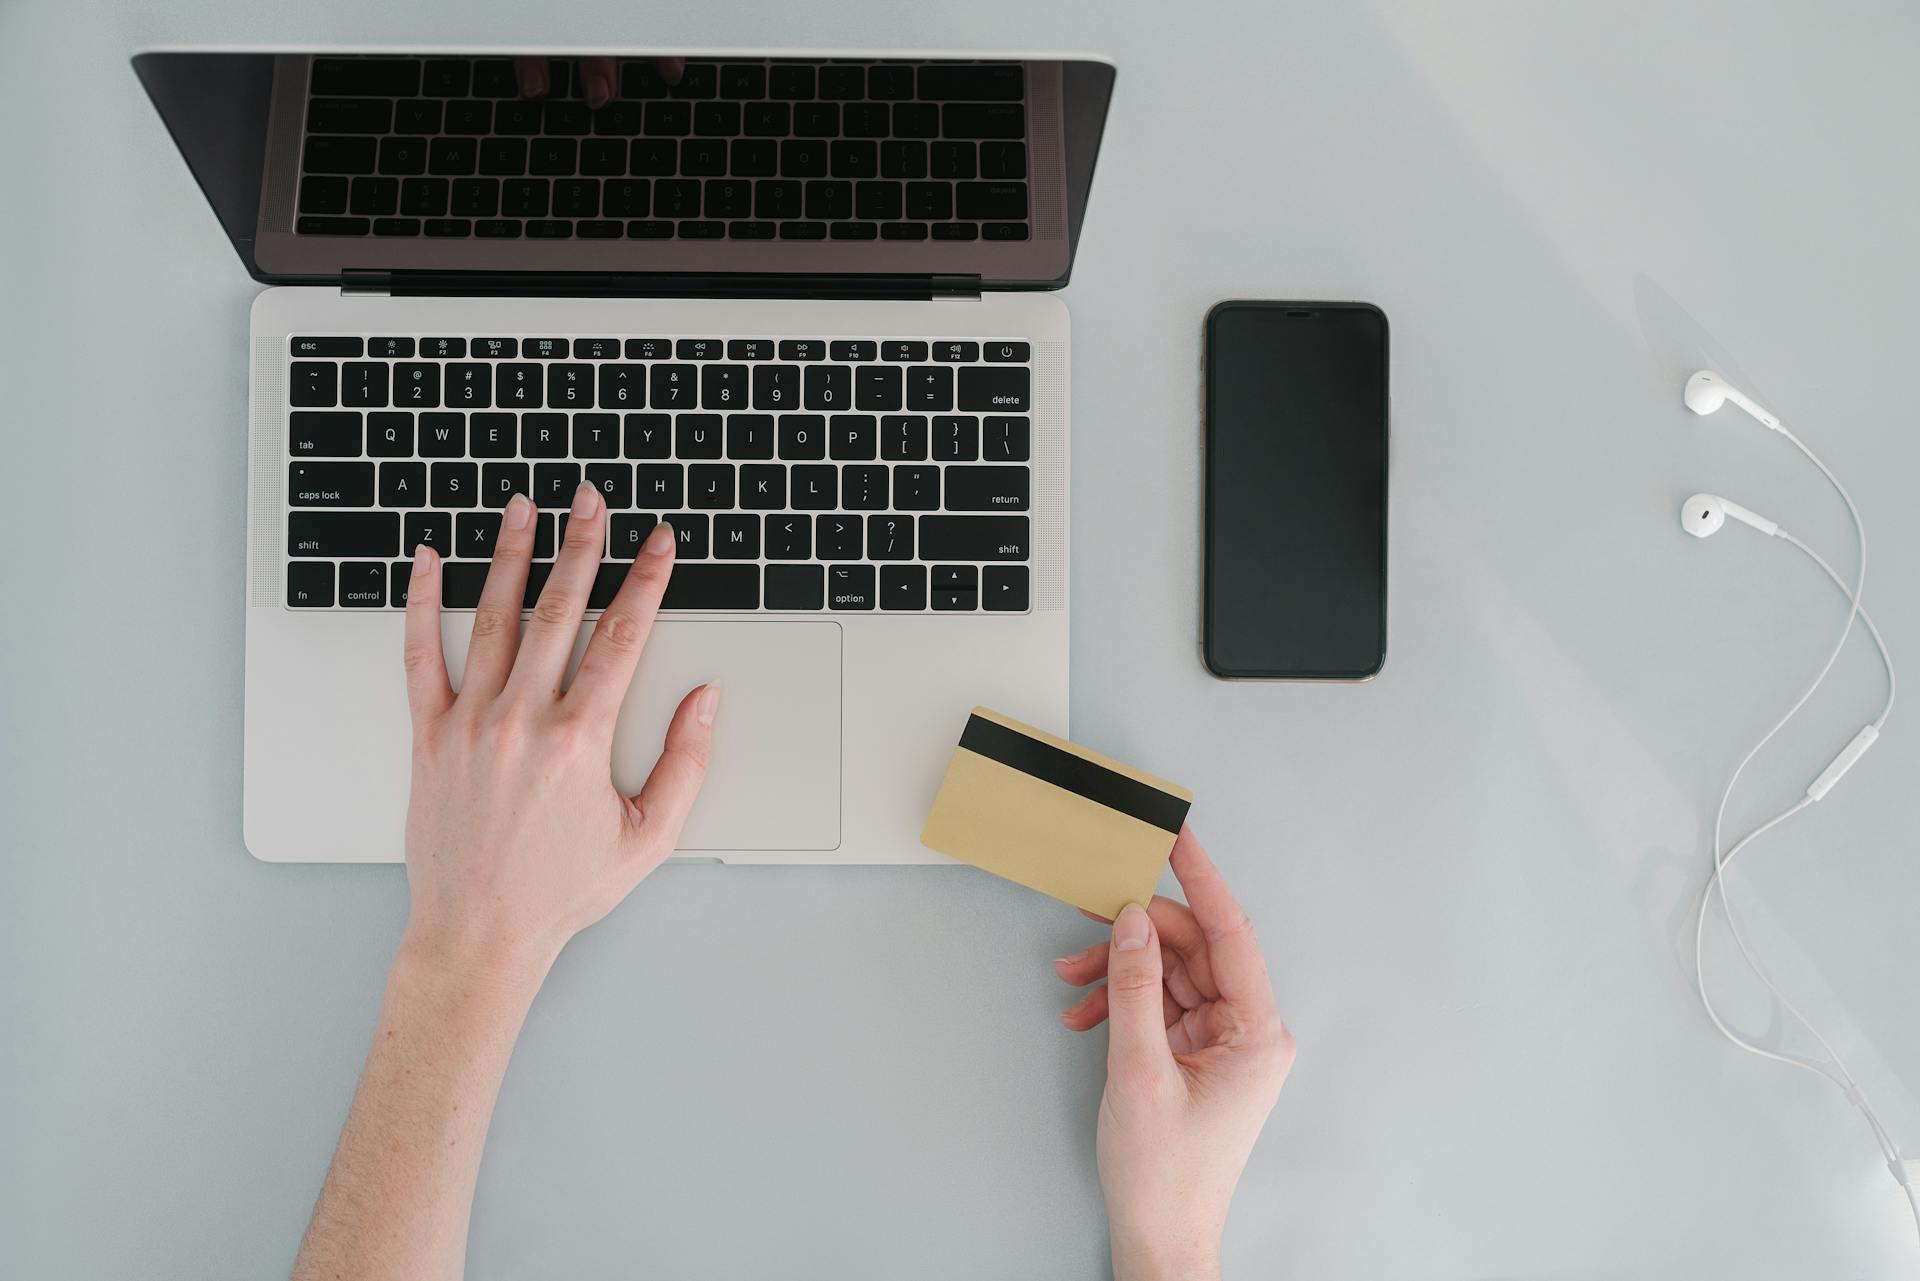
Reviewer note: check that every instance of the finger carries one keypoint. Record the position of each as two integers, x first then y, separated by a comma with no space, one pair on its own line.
1134,998
428,692
547,643
1090,1011
672,70
674,785
532,76
606,669
1188,974
599,78
1233,953
496,621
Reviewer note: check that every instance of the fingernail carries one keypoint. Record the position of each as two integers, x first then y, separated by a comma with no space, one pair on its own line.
586,501
424,560
1130,929
519,511
660,541
709,702
598,95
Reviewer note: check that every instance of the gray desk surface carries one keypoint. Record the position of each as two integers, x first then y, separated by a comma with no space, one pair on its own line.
1473,876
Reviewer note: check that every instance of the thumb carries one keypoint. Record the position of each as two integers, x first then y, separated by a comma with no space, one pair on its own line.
1134,1004
671,789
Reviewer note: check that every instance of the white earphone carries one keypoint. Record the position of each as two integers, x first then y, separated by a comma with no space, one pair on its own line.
1702,516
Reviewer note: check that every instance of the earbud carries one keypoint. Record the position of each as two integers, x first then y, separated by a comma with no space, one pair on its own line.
1707,391
1704,514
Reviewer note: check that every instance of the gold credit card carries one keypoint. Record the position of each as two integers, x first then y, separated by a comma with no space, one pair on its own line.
1054,816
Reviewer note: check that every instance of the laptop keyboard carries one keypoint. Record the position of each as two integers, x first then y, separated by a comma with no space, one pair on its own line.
797,473
753,150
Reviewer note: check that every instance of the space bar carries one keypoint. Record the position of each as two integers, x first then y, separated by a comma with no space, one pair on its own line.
691,587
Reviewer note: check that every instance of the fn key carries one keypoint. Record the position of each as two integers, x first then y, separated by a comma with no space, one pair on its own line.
310,584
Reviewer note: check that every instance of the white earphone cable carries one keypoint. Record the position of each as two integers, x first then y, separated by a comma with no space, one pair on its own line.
1716,887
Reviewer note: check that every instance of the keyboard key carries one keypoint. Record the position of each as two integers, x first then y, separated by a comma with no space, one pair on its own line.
1006,440
763,487
697,436
903,159
475,534
842,82
743,81
828,387
749,436
814,487
903,352
850,587
903,587
455,484
795,587
673,386
690,536
789,537
503,157
596,349
1003,231
1004,588
403,484
435,529
443,435
449,227
889,538
1003,160
469,385
714,587
982,201
951,82
309,584
903,437
903,231
790,81
960,352
570,385
614,481
596,436
323,435
659,485
803,349
554,484
929,388
330,484
977,538
339,155
627,533
363,584
979,489
1005,389
347,115
517,386
399,578
723,387
337,534
495,436
984,120
863,488
416,385
877,387
497,228
853,437
803,436
390,435
314,383
776,387
403,155
390,348
736,537
837,537
956,578
955,231
324,346
916,488
396,226
710,486
956,439
366,77
952,160
309,225
460,584
543,435
648,435
916,120
929,202
501,481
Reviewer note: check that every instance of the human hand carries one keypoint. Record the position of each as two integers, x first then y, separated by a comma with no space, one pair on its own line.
516,836
599,77
1195,1062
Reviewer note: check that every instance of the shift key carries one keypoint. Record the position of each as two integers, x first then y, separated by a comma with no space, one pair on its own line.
1004,389
343,534
974,538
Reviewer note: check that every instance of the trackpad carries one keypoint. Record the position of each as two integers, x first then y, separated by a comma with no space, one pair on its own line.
774,783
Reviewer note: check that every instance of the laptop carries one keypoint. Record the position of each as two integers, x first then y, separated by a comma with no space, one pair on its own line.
796,306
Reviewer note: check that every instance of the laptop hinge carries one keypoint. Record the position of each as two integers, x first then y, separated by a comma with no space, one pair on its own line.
521,284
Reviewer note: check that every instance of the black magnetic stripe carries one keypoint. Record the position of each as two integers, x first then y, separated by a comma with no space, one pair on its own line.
1075,774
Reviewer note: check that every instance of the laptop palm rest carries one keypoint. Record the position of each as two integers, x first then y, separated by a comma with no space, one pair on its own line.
774,781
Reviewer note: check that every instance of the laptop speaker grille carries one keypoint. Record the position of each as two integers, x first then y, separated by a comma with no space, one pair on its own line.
1050,471
266,428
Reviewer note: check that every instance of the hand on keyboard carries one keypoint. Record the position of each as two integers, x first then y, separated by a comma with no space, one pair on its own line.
516,836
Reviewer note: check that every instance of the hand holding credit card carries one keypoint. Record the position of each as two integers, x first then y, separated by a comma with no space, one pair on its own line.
1053,816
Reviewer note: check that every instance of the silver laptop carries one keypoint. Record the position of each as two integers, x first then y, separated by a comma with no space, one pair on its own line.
796,306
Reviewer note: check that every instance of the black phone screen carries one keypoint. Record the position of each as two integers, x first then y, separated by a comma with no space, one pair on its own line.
1296,490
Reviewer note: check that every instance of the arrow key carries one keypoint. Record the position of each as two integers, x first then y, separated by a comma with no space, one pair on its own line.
1004,589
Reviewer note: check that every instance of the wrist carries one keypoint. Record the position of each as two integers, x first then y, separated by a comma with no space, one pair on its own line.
1177,1255
489,972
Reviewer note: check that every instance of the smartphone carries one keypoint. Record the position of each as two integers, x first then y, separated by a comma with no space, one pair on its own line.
1296,490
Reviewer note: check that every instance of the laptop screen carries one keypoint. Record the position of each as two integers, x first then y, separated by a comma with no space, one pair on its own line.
599,171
